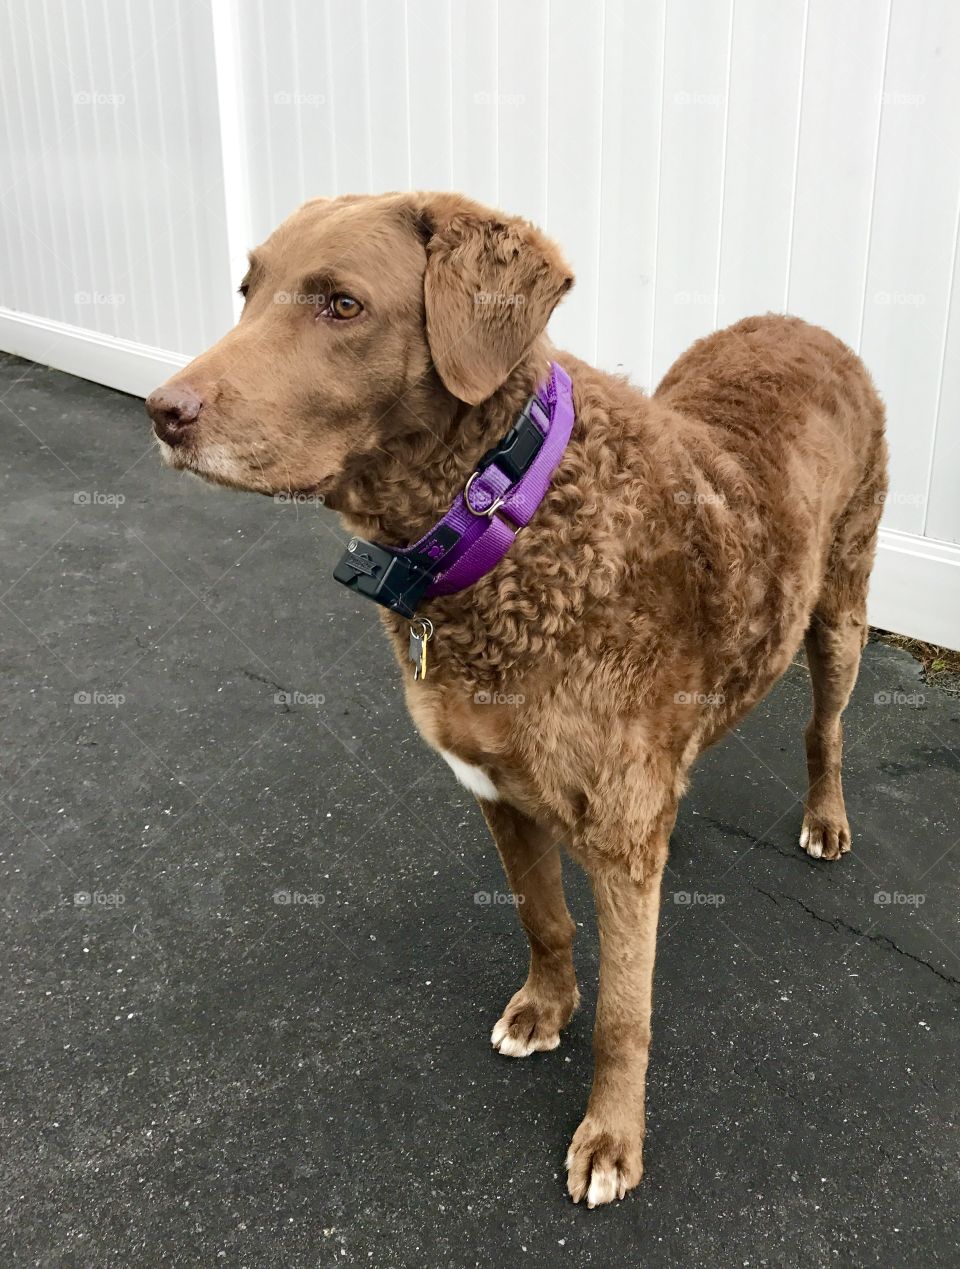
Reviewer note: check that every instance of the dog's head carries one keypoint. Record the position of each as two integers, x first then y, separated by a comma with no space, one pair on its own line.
361,315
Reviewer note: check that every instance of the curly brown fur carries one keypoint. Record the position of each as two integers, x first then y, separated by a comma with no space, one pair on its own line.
689,543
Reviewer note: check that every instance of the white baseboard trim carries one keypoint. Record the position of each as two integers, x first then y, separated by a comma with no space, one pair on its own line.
915,589
916,581
118,363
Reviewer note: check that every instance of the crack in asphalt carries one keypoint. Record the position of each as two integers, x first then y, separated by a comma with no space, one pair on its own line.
838,924
278,687
789,852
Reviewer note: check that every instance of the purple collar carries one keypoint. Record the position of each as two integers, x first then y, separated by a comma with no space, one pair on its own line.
506,488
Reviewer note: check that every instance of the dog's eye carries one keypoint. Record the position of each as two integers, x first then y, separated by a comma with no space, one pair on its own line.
343,307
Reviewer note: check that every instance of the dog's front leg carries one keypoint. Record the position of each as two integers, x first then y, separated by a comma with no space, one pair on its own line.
606,1155
545,1003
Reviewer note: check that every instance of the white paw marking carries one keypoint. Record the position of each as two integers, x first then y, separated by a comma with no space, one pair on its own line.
604,1185
511,1046
473,778
812,843
499,1031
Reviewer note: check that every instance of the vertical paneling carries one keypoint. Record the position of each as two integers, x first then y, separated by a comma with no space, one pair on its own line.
839,129
766,64
297,109
698,160
388,87
259,42
474,81
289,110
343,55
156,315
943,500
428,63
574,146
912,241
49,220
112,201
695,97
633,94
31,254
521,106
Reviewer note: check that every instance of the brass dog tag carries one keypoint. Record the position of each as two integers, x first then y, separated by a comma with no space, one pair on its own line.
420,634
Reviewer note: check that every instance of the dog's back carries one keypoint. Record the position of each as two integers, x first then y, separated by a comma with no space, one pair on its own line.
782,427
776,389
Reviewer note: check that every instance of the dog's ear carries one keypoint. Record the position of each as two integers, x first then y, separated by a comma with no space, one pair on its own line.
490,285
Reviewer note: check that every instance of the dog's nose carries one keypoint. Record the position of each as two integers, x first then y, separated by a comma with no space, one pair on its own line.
173,408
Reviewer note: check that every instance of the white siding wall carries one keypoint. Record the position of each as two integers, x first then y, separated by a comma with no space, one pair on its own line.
112,198
699,160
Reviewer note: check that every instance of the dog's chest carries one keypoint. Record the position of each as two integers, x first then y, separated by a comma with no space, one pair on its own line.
470,737
472,777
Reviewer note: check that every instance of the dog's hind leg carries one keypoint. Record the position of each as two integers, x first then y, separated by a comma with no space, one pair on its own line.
545,1003
833,655
834,641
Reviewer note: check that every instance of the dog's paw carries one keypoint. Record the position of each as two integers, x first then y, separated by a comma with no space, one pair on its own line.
601,1164
824,838
530,1025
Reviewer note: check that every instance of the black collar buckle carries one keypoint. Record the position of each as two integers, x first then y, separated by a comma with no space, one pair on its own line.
515,453
395,581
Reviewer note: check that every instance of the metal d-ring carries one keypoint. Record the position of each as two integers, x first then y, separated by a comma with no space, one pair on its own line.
487,511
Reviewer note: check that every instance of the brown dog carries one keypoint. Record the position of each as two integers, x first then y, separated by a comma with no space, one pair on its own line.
689,543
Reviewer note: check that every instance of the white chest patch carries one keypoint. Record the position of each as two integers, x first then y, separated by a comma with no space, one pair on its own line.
472,778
